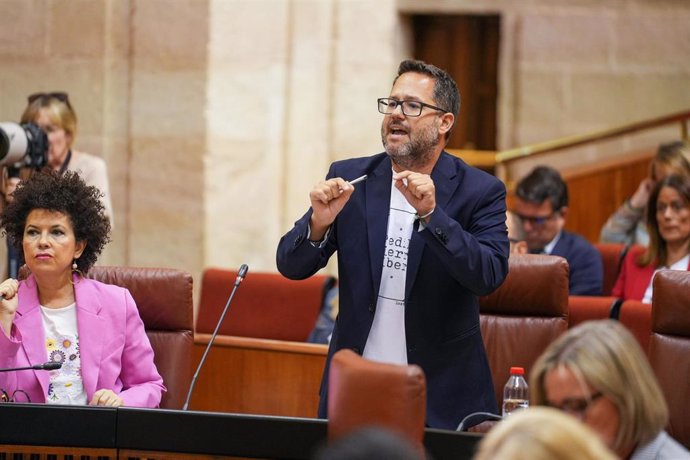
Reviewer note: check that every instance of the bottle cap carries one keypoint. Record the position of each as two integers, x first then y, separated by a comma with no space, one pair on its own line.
517,371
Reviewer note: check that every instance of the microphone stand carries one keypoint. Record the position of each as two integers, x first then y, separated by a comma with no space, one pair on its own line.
37,367
240,276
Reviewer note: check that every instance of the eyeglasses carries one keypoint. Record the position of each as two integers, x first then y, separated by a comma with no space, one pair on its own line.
18,396
577,406
59,95
537,221
409,108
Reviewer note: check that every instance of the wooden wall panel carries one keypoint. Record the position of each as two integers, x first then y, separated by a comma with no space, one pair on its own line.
597,191
258,376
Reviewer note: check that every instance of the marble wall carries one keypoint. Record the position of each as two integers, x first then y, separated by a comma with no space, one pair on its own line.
217,116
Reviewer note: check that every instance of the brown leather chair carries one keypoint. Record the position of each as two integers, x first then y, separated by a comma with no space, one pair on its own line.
266,305
637,317
164,299
669,347
524,315
612,255
586,308
366,393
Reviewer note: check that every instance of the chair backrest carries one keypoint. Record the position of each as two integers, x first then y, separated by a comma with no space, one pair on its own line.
586,308
367,393
669,346
637,317
266,305
164,300
525,314
612,255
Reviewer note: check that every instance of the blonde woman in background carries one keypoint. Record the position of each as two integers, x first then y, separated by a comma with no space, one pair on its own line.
542,433
54,114
598,373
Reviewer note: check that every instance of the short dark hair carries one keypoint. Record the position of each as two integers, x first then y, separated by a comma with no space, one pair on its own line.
446,94
543,183
66,193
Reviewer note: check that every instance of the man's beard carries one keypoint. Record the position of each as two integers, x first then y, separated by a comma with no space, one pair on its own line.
418,151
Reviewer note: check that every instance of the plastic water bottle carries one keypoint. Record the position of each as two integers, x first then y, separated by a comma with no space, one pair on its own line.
515,392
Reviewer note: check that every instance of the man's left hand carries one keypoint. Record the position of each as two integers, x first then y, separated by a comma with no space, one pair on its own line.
420,191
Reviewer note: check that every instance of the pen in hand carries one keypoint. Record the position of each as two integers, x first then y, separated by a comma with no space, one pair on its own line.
355,181
359,179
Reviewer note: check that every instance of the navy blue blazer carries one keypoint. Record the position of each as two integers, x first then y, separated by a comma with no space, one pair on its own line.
586,266
461,254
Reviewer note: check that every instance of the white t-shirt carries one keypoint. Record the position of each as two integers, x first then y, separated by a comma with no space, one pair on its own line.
62,345
386,341
681,265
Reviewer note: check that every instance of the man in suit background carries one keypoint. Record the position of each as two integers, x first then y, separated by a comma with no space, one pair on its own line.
541,204
417,242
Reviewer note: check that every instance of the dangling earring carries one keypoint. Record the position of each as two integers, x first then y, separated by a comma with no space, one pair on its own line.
75,269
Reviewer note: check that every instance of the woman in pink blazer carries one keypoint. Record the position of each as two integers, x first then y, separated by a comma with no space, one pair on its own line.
668,223
57,315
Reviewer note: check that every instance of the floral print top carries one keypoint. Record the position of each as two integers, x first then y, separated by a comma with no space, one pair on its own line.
62,346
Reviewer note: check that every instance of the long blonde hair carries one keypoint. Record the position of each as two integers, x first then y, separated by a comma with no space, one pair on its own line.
609,359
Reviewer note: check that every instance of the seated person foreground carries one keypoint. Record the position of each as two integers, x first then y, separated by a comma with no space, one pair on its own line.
92,329
542,433
598,373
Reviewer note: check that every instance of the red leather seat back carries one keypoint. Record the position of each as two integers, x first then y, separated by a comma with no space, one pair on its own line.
525,314
611,256
586,308
164,299
669,347
637,317
365,393
266,305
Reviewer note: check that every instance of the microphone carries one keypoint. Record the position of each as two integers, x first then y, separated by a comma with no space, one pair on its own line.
240,276
49,366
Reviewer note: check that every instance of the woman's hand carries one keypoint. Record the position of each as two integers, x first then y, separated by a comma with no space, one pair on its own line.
104,397
641,196
8,304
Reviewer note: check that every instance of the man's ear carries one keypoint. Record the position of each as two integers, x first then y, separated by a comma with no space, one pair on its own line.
563,212
447,120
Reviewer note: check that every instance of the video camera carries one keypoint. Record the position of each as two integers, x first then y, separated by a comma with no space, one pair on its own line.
22,146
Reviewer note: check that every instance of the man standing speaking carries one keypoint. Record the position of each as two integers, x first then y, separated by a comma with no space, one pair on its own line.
418,239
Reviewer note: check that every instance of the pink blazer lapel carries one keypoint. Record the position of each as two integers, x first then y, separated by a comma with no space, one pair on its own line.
91,332
30,325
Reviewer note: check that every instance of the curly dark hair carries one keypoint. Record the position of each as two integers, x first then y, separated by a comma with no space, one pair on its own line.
66,193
